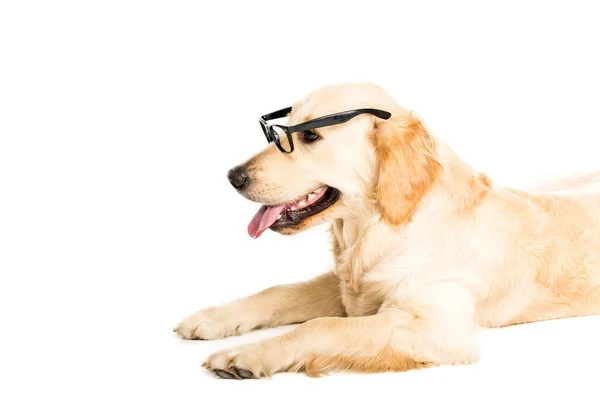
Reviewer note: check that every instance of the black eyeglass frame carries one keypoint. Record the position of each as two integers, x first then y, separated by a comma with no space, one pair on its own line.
321,122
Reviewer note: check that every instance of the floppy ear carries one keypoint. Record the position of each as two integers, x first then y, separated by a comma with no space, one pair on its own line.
406,166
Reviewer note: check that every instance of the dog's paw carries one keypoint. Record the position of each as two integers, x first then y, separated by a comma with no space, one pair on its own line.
246,362
213,323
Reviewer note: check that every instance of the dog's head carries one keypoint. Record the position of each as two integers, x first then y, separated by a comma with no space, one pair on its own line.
335,171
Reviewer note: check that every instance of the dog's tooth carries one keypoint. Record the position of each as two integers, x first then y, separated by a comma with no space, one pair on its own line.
293,208
311,196
301,203
279,217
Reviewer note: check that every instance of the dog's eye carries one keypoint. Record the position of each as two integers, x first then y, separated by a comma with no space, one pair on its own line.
309,136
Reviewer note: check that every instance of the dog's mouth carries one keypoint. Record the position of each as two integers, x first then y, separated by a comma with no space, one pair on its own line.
290,214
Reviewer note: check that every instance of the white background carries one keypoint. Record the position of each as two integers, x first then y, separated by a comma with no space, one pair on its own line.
120,119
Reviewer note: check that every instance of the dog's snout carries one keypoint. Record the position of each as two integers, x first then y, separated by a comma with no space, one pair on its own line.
238,177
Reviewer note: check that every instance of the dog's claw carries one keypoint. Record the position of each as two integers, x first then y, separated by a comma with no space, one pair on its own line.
224,374
244,373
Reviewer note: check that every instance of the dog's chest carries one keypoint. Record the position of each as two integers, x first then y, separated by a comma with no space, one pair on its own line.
360,297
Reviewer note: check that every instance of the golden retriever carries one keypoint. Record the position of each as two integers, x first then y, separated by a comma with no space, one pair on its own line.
427,250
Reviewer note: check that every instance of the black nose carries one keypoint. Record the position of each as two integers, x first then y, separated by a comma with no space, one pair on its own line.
238,177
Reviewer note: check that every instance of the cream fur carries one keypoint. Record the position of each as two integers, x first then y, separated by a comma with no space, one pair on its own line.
427,251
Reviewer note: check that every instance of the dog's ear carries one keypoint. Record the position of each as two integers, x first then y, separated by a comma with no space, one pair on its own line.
406,166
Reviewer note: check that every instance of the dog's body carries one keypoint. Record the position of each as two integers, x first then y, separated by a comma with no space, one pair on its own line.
426,251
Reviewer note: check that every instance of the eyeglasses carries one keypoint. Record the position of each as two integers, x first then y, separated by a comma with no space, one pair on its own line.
282,135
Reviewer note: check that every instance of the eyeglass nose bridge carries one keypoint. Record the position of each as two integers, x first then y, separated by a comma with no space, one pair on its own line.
273,135
266,131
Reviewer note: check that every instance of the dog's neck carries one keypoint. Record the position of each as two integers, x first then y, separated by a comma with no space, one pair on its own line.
457,187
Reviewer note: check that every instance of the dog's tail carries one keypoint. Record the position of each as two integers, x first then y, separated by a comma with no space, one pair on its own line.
578,181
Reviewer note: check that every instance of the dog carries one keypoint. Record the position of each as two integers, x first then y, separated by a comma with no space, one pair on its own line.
427,250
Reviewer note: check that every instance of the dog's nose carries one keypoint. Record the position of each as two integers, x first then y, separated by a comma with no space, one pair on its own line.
238,177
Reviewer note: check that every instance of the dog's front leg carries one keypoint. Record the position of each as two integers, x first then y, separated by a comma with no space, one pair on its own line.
276,306
405,334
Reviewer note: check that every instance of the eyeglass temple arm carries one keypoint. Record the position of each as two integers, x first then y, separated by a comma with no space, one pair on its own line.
284,112
338,118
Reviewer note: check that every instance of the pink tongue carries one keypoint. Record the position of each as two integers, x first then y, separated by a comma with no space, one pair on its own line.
264,218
